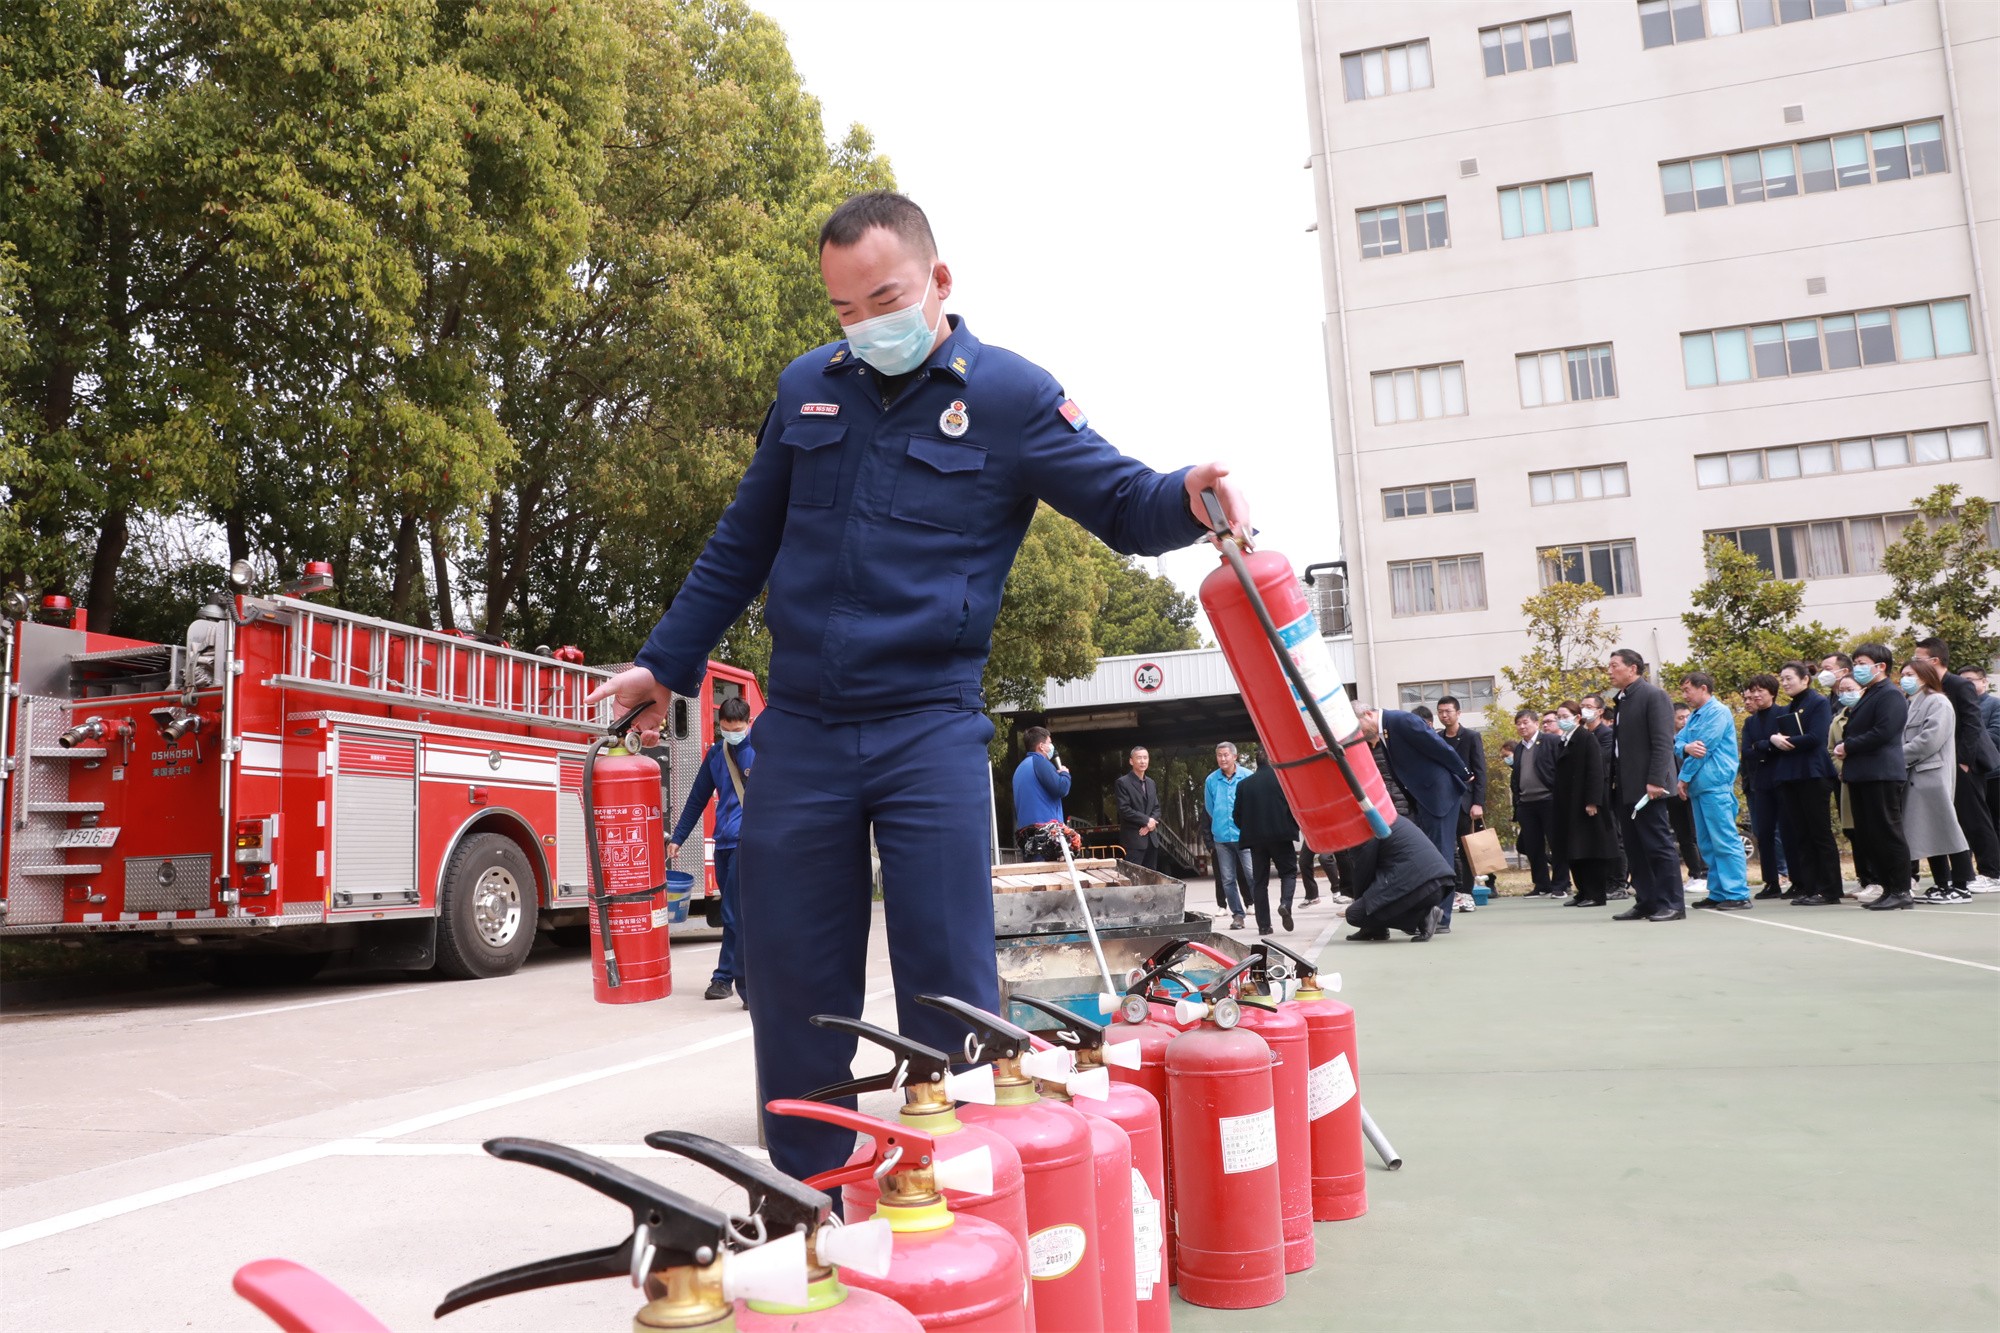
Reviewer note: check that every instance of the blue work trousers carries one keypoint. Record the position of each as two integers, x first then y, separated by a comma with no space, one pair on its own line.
728,962
921,782
1721,843
1232,869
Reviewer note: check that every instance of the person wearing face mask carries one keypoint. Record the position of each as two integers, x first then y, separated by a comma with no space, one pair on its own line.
723,775
1533,785
1760,780
1846,693
1597,720
1977,758
1803,772
1930,753
1471,750
1645,776
1709,764
1831,668
1583,809
892,483
1872,767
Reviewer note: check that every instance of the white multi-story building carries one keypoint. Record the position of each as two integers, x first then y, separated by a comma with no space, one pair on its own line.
1605,279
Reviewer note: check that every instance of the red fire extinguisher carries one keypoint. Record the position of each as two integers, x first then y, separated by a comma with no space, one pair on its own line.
1226,1189
629,961
931,1092
1270,638
950,1270
1135,1049
1284,1031
1333,1087
1136,1112
781,1206
1054,1143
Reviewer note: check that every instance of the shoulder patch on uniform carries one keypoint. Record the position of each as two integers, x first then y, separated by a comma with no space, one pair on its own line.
837,357
1073,414
958,364
821,409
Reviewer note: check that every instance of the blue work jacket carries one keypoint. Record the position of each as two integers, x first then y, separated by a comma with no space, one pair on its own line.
1039,788
1715,726
1218,797
712,779
886,534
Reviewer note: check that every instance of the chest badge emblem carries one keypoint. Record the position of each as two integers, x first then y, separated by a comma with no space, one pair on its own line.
821,409
955,421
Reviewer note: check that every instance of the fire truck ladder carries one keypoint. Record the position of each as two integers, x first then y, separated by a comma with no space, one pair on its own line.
330,651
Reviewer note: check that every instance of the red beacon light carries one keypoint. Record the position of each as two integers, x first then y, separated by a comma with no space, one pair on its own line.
317,577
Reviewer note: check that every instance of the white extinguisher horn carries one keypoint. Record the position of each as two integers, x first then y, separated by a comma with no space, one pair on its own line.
969,1173
1108,1003
1054,1063
974,1085
1094,1084
864,1247
774,1272
1330,981
1190,1010
1122,1054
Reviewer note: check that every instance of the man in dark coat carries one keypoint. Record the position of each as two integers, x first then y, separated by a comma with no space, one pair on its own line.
1583,812
1471,750
1804,772
1265,825
1759,770
1646,776
1398,882
1977,760
1871,755
1429,772
1138,800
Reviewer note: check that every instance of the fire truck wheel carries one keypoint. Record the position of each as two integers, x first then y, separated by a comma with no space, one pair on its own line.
486,923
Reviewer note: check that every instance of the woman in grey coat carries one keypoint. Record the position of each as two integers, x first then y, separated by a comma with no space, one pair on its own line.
1930,750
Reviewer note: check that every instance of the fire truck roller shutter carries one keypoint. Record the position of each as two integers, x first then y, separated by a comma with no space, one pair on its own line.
488,903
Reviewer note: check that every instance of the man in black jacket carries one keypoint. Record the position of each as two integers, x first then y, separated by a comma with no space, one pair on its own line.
1398,882
1644,748
1471,750
1138,800
1977,760
1533,784
1597,720
1265,825
1871,754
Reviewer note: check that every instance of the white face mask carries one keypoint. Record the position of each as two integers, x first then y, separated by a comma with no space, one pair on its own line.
1826,679
1590,715
898,342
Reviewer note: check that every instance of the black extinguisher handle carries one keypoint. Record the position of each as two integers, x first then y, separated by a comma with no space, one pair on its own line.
1219,987
1072,1029
786,1205
915,1062
1302,966
995,1038
618,729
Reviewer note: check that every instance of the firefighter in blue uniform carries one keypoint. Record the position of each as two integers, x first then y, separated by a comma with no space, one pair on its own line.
892,484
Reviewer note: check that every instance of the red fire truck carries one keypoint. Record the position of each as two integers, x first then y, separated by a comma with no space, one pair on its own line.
296,781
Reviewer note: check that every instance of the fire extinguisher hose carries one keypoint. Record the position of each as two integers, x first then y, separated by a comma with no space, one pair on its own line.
600,901
1232,551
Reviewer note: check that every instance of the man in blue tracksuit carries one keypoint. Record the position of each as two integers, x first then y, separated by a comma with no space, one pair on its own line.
724,775
1040,783
893,481
1706,747
1232,859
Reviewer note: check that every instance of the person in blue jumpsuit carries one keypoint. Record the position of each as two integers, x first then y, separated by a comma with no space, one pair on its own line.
715,780
892,483
1706,747
1039,783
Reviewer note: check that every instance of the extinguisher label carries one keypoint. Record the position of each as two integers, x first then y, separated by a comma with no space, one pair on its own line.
1149,1242
661,916
1055,1251
1249,1142
1329,1087
1302,640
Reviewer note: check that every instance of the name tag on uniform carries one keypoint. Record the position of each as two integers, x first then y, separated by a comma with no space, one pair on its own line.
821,409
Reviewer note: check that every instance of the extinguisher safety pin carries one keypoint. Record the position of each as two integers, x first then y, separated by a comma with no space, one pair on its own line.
888,1163
749,1230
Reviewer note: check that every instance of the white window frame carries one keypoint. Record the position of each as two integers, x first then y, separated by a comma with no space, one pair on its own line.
1417,212
1577,484
1554,370
1431,566
1550,575
1912,330
1698,20
1889,451
1378,68
1543,204
1495,38
1466,689
1414,386
1838,146
1429,491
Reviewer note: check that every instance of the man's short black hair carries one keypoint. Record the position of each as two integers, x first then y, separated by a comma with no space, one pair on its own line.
1421,711
898,213
1034,736
1702,679
1763,680
1449,699
1974,671
1939,650
1528,713
1631,658
1846,662
1596,699
1877,653
735,709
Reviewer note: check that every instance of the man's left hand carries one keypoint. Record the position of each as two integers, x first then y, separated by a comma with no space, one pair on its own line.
1699,749
1479,812
1235,506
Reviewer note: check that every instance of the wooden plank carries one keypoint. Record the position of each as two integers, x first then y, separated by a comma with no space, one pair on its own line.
1033,867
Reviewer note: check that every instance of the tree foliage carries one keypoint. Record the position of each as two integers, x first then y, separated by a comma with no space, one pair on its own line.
1745,620
1944,576
1142,612
1568,643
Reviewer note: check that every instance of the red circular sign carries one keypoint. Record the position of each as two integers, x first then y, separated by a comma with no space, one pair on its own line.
1149,677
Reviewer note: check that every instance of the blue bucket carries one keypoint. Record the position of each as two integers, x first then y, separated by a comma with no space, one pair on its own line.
680,886
1480,895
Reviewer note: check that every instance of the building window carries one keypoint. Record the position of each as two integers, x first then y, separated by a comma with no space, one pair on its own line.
1572,375
1868,454
1828,342
1474,694
1530,210
1400,229
1445,497
1535,44
1433,587
1581,483
1831,548
1419,393
1678,22
1612,566
1385,70
1813,166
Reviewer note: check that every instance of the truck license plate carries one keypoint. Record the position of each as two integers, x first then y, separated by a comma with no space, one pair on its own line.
88,837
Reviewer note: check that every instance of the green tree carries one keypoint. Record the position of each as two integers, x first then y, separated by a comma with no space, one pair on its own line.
1568,643
1744,620
1142,612
1944,576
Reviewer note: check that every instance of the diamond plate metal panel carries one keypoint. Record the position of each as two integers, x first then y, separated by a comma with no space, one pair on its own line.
32,899
168,883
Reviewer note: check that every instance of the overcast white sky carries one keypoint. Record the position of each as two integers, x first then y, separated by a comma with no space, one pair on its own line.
1120,190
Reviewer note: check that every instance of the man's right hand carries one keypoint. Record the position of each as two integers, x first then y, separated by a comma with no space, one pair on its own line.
673,850
627,690
1658,793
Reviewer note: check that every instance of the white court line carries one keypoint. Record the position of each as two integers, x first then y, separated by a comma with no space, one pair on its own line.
357,1148
1873,944
358,1144
310,1004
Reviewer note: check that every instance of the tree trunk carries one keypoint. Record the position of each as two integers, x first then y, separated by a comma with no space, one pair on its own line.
441,575
236,527
405,568
112,537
